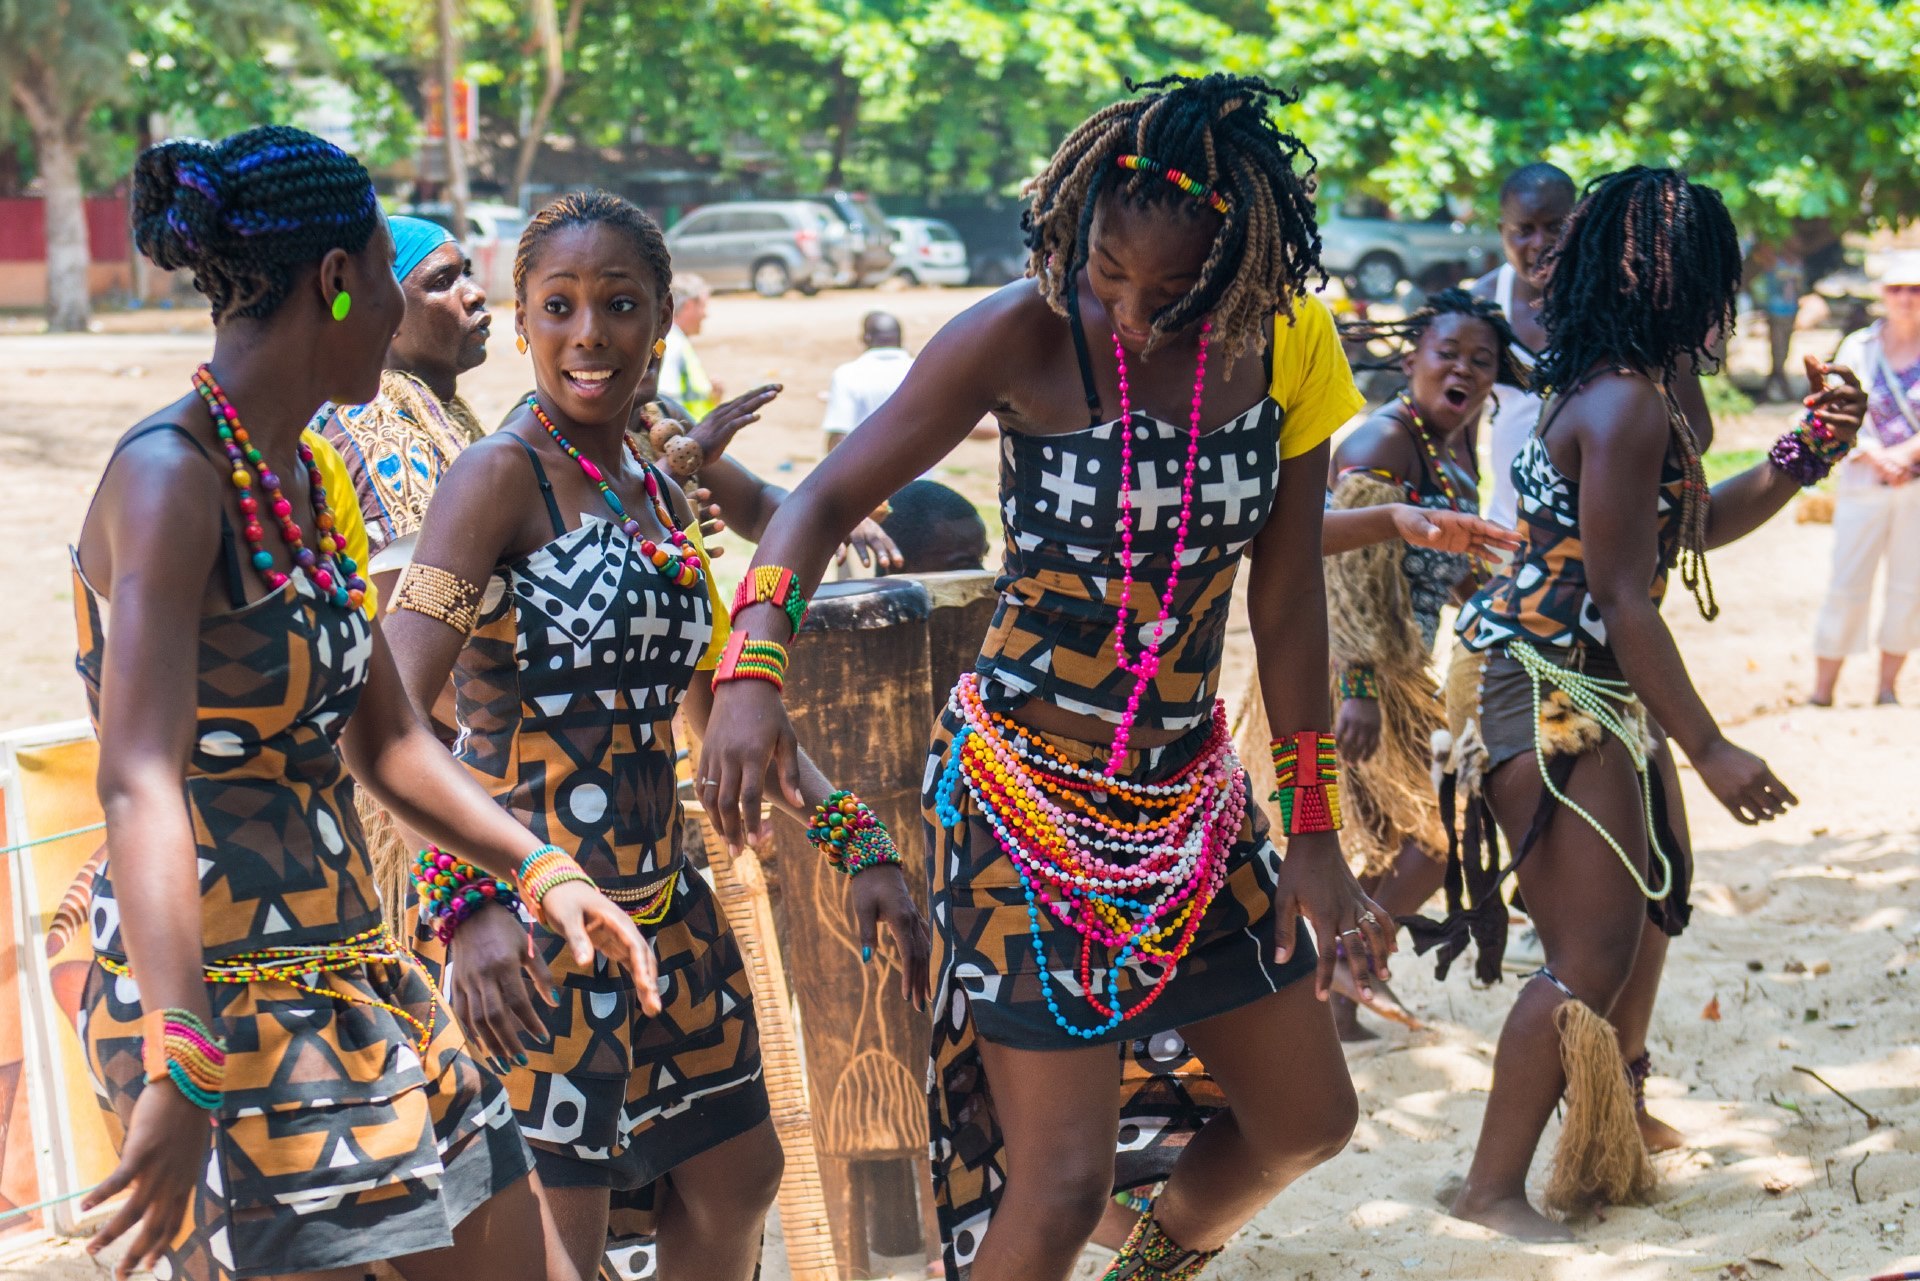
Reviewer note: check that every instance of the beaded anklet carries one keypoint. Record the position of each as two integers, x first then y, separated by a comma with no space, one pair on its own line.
1306,767
770,584
451,891
1809,452
177,1046
545,870
1358,682
752,660
1151,1255
851,836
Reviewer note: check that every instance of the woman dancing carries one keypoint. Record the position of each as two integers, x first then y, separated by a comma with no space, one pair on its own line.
1385,600
561,583
1104,889
1583,677
249,978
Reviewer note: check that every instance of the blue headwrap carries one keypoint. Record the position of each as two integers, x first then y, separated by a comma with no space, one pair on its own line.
413,240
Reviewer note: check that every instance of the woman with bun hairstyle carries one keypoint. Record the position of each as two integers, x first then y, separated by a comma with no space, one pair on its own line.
242,974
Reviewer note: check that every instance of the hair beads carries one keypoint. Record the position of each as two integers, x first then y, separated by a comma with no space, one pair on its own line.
1192,186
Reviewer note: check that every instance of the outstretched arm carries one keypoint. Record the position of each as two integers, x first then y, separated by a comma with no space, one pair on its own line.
1743,503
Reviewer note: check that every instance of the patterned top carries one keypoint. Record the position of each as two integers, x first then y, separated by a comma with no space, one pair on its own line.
1052,633
1431,574
282,860
566,691
1542,596
1887,422
396,448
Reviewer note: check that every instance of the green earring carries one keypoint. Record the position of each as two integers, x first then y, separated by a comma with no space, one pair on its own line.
342,303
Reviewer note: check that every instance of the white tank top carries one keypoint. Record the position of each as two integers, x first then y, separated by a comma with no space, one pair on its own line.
1515,414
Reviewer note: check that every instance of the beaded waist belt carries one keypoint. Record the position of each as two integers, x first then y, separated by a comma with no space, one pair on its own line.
646,904
301,967
1138,888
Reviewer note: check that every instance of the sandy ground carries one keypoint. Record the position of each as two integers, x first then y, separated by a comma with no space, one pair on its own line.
1806,936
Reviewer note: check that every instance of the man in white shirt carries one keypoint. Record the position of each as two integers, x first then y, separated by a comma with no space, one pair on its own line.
861,386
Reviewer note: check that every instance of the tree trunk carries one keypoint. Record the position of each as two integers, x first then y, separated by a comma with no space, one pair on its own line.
450,118
846,120
56,144
553,48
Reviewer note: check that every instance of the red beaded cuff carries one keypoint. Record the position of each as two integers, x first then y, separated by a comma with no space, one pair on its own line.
752,660
1306,769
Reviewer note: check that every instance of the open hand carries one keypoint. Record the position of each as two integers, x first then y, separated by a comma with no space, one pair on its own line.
1316,884
494,979
162,1162
1742,782
591,922
748,735
875,547
1453,532
881,894
716,431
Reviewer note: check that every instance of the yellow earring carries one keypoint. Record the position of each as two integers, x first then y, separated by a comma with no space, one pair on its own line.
660,348
520,341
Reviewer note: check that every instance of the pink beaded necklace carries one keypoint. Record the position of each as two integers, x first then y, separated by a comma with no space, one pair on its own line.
1147,665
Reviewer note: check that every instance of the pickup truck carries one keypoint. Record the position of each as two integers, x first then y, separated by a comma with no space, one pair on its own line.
1373,253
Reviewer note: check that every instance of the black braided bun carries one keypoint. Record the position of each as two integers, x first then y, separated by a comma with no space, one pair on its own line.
245,214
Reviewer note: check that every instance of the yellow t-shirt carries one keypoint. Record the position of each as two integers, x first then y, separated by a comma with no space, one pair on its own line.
1311,379
346,510
722,628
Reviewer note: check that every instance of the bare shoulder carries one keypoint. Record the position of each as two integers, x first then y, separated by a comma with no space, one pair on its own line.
1619,412
160,477
1380,443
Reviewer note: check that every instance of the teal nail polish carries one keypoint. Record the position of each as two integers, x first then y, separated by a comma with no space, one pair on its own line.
521,1059
556,994
866,956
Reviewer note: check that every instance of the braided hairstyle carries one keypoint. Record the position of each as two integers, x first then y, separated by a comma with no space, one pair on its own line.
590,209
1403,336
244,215
1647,272
1215,129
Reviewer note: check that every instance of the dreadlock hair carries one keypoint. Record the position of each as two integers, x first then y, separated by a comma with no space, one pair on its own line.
1216,131
1647,271
590,209
1403,336
244,214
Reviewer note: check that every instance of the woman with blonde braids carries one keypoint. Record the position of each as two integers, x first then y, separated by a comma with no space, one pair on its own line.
1109,901
1583,677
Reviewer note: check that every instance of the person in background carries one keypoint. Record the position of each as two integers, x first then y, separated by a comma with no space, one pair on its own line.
862,385
681,375
1876,510
936,529
1777,289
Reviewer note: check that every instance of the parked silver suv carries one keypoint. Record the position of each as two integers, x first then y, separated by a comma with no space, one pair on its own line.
769,246
1373,253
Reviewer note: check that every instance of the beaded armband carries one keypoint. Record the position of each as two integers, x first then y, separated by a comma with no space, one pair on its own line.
770,584
1809,452
751,660
545,870
1358,682
451,891
851,835
1306,767
442,596
176,1046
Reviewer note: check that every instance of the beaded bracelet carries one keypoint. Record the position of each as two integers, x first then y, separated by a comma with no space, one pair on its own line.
177,1046
545,870
752,660
451,891
440,595
1358,682
1307,806
850,835
770,584
1809,452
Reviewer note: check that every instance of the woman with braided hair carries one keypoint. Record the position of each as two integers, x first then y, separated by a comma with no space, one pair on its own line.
1584,681
1108,899
1385,599
241,973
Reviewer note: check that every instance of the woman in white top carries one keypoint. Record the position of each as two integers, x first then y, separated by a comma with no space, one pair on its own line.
1876,509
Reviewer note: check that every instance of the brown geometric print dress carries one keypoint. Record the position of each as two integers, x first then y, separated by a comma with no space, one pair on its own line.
565,697
336,1142
1052,640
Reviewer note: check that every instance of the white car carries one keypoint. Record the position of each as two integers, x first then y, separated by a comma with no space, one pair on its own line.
927,251
492,239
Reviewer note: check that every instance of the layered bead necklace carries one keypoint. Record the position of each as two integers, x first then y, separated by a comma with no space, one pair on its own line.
1138,889
678,561
1144,668
332,572
1425,437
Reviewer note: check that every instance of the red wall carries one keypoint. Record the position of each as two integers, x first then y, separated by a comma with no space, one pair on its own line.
23,229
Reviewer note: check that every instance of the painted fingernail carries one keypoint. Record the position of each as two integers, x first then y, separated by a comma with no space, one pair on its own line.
866,955
556,994
520,1058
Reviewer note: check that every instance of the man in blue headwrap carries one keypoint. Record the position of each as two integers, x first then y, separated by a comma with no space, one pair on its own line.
398,446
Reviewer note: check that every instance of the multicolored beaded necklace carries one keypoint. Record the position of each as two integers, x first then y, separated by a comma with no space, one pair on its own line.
1139,889
1147,665
1425,437
679,562
332,572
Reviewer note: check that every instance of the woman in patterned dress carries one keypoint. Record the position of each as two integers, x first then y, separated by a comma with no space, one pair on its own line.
1167,224
573,654
1583,677
231,694
1385,600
